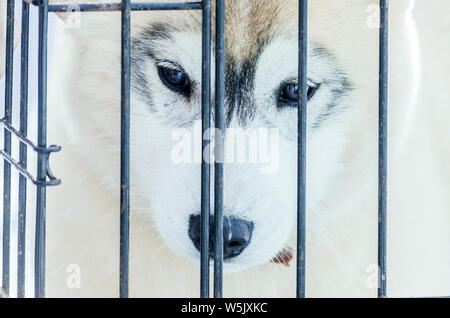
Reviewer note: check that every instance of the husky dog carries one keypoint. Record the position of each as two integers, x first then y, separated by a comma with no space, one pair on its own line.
259,206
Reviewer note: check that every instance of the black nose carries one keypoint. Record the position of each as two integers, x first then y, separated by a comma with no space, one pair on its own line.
237,234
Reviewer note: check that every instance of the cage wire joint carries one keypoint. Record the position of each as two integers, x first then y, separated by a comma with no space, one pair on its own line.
47,151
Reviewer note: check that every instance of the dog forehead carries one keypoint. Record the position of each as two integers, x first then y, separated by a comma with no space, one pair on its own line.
250,24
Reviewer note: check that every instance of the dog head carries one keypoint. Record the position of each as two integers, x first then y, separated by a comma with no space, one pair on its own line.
261,92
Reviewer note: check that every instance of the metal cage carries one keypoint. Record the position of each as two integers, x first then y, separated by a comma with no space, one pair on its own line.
45,177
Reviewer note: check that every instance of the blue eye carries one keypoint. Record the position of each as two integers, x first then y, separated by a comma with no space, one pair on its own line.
176,80
288,94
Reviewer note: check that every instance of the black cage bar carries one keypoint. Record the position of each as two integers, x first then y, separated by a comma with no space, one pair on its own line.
125,151
45,177
382,169
7,145
219,146
301,144
206,169
23,151
39,270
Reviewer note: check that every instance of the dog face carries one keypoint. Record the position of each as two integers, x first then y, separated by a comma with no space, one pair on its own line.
260,110
260,160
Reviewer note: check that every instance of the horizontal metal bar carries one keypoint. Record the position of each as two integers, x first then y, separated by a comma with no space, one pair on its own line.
27,141
53,181
89,7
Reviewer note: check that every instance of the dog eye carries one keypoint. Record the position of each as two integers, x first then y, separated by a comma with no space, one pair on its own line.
176,80
288,95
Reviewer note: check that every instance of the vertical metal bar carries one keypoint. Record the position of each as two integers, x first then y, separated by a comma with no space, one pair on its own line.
125,152
42,157
206,124
301,144
23,151
7,145
219,146
382,152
